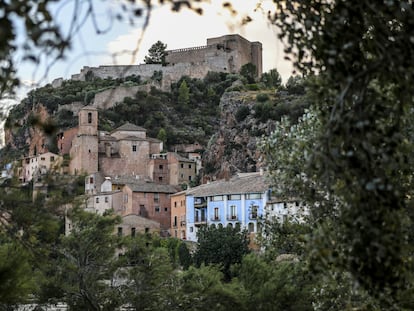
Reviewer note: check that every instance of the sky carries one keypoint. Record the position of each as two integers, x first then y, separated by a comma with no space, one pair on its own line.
119,39
177,30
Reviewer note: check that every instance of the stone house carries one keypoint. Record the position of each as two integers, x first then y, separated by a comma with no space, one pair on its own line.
178,212
39,164
147,199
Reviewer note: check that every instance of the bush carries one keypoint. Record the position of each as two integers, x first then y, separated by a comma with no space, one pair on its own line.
242,113
261,97
252,87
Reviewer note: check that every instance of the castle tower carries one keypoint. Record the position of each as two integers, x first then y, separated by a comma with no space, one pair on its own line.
84,151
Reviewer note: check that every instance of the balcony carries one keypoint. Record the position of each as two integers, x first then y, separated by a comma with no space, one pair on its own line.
253,216
215,218
232,217
182,223
200,202
200,220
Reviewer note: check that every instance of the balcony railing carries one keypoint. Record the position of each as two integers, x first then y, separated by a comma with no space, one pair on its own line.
200,219
215,218
232,217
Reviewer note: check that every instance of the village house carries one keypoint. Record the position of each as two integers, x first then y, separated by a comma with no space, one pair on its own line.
178,212
39,164
146,199
239,201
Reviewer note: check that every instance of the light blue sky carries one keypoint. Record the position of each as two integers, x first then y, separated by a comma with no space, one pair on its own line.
177,30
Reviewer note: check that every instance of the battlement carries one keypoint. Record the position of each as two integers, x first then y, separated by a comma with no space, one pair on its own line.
221,54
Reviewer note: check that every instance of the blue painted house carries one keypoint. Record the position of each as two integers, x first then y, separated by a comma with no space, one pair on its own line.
240,200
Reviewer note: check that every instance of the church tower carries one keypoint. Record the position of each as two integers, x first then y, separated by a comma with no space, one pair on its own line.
84,151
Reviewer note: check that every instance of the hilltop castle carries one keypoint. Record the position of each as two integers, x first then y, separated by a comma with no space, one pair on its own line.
222,54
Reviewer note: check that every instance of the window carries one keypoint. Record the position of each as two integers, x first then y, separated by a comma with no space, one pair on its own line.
147,230
191,229
251,227
189,178
157,209
52,158
217,198
134,148
161,167
160,178
175,204
97,200
165,209
126,198
233,212
189,165
253,211
133,231
156,197
91,180
253,196
119,231
234,197
175,221
106,200
216,213
42,159
182,165
89,117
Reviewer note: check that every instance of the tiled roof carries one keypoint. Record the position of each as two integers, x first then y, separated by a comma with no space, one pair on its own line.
152,187
242,183
130,128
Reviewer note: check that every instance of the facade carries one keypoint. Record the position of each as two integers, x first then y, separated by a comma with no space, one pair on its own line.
132,225
178,212
147,199
284,210
39,165
240,200
124,151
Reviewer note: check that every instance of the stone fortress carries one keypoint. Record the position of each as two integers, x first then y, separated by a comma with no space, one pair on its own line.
221,54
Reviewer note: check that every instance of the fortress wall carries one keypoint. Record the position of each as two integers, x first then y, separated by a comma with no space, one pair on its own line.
189,55
108,98
118,71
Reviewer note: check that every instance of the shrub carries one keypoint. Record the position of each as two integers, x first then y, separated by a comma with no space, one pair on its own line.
261,97
242,113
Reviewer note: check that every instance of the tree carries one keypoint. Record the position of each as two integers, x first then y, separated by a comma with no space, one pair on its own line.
222,246
183,95
295,85
271,79
249,71
85,270
362,154
162,135
156,54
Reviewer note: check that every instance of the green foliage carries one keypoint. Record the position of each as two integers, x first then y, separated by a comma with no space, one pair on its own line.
242,112
222,246
87,261
162,135
16,275
271,79
295,85
156,54
148,271
184,256
361,159
262,97
275,285
183,94
249,72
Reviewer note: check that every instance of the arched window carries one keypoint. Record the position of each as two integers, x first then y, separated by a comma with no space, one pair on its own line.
251,227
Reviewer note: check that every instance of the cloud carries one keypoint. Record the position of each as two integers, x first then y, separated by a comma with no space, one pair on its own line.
188,29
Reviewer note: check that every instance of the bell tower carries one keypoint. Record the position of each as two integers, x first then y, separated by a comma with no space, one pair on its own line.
84,151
